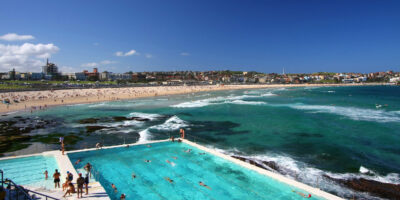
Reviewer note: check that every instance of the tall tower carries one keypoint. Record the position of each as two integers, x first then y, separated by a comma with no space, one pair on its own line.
283,71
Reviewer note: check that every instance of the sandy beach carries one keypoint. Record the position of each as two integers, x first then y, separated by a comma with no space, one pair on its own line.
36,100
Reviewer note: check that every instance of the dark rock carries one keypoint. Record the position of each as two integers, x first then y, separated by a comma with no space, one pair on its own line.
91,129
88,121
119,119
384,190
270,164
139,119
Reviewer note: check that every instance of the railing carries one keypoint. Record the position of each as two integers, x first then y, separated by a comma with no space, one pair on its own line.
20,190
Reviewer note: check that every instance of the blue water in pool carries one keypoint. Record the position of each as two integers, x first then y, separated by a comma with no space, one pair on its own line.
186,169
29,171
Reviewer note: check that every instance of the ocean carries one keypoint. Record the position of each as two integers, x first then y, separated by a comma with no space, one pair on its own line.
313,134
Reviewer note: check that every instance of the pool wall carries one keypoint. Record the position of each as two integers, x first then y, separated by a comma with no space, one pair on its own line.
65,165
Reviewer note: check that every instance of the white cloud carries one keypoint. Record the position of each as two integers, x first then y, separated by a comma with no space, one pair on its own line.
129,53
15,37
107,62
25,57
184,54
147,55
91,64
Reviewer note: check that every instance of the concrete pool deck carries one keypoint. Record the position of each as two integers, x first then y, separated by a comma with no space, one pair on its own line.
96,190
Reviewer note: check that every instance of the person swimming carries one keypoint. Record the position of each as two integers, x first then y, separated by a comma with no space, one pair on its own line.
147,161
78,161
169,180
133,175
204,185
114,187
176,158
148,145
202,153
302,194
188,151
171,163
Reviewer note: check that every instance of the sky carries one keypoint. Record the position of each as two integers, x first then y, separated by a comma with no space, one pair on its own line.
166,35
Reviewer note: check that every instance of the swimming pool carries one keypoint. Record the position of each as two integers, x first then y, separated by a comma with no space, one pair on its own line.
226,179
29,171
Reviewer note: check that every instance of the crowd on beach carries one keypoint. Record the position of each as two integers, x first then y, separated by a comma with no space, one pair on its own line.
38,100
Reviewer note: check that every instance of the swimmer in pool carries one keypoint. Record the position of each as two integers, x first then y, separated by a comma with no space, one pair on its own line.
78,161
302,194
114,187
133,175
147,161
169,180
188,151
176,158
204,185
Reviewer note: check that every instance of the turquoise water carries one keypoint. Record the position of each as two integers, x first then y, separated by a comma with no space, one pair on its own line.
29,171
227,180
309,132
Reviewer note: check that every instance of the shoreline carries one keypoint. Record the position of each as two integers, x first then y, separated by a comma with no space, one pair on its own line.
38,100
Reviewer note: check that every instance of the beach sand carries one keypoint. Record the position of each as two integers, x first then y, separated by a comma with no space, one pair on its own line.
37,100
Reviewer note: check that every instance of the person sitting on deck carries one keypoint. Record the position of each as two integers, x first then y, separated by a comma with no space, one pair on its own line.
66,183
172,138
169,180
204,185
70,190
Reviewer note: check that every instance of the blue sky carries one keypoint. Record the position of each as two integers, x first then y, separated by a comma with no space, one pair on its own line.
266,36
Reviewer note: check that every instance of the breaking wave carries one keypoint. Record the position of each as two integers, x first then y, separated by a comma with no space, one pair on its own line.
216,101
173,123
145,115
315,177
352,112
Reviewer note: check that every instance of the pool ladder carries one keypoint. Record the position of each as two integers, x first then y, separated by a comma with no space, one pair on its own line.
21,193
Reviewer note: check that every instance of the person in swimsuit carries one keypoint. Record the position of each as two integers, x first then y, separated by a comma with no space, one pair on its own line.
46,175
56,177
302,194
70,190
87,184
169,180
204,185
66,184
147,161
133,175
114,187
123,197
80,182
88,168
78,161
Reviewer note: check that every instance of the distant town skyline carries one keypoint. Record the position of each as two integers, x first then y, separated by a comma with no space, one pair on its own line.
264,36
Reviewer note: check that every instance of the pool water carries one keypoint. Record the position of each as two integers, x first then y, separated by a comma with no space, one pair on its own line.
29,171
226,179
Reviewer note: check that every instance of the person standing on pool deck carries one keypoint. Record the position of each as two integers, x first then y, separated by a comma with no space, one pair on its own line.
88,168
87,184
62,148
80,181
56,177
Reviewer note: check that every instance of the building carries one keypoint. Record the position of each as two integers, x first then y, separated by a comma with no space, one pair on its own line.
50,69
